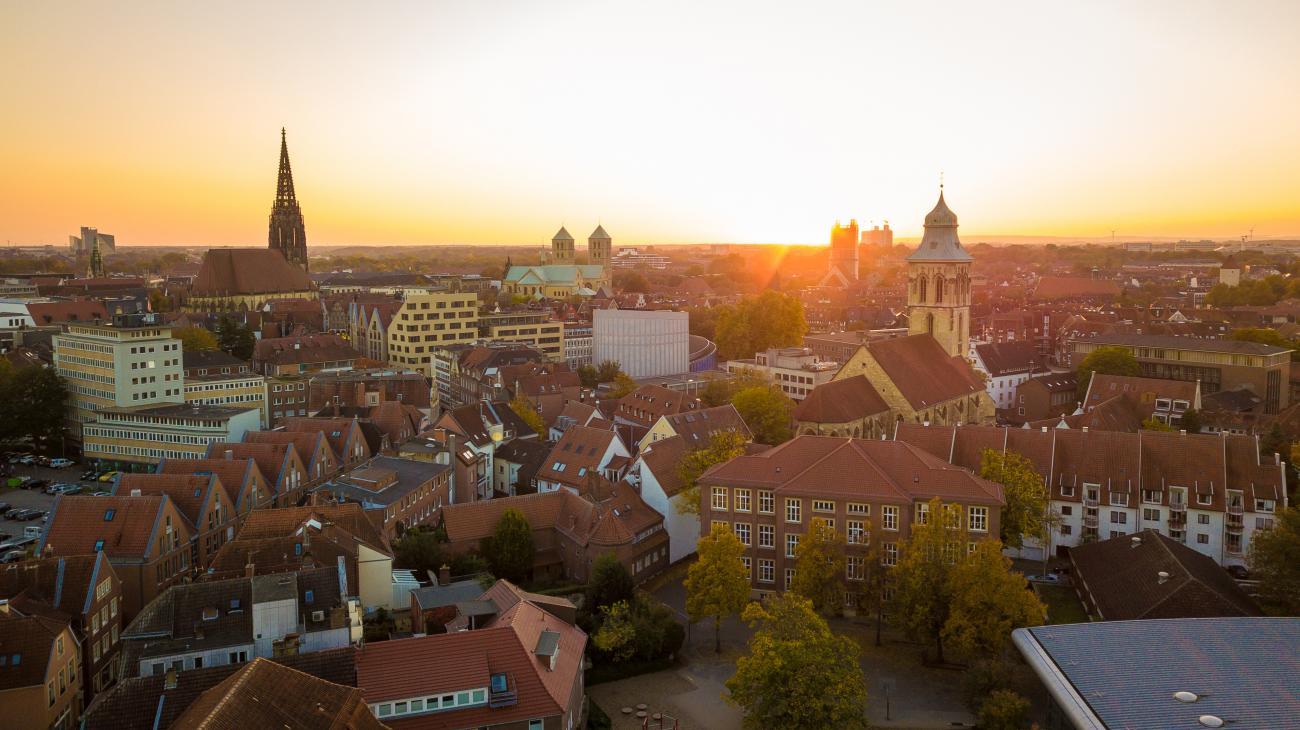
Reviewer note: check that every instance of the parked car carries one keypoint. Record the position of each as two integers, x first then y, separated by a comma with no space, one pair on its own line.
4,506
107,476
101,494
33,531
12,556
27,460
69,489
28,515
54,487
12,512
37,484
89,475
61,463
42,461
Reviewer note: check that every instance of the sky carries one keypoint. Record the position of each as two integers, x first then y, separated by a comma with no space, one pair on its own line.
666,122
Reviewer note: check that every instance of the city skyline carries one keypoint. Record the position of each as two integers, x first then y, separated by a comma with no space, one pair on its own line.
497,124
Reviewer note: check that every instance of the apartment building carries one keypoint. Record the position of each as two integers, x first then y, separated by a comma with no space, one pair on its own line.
131,361
201,498
394,491
535,328
428,320
868,490
286,396
577,344
796,370
41,685
1216,364
1209,492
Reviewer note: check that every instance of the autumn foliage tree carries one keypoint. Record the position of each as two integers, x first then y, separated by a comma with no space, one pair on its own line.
1023,490
988,601
766,410
771,319
723,446
1275,561
529,415
1109,361
797,674
821,558
717,584
194,339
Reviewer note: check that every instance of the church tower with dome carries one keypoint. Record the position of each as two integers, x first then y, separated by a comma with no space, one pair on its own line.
938,283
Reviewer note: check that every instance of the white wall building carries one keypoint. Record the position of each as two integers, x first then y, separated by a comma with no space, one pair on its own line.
646,343
795,369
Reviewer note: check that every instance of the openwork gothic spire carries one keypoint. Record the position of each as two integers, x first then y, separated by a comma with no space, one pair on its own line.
288,233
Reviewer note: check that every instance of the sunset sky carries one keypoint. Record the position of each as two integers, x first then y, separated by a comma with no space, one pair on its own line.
668,122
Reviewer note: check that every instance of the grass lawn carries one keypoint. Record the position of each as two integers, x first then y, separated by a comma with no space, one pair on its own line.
1063,606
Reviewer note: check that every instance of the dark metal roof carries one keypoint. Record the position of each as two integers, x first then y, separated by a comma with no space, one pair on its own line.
1123,674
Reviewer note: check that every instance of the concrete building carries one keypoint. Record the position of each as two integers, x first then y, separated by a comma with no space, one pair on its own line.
428,320
137,438
133,361
577,344
1217,364
797,370
646,343
233,390
89,239
632,258
843,265
535,328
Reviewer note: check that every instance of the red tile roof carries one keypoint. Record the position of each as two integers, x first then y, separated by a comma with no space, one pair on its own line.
234,271
32,640
126,525
1074,287
266,694
236,475
77,310
188,492
578,452
841,401
305,349
922,371
271,459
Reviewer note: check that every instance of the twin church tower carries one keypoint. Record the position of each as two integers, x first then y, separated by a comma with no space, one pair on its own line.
599,248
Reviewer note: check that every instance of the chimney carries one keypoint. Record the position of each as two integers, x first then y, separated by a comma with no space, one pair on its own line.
1135,541
135,492
169,682
230,455
444,575
1162,576
336,406
1085,429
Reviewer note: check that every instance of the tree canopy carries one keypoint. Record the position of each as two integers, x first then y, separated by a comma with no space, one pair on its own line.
722,446
754,324
235,338
623,385
797,674
766,410
509,550
1275,561
529,415
33,404
610,583
821,557
988,601
717,584
1109,361
420,550
1023,490
194,339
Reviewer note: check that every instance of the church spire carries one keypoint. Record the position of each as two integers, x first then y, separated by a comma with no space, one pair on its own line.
288,233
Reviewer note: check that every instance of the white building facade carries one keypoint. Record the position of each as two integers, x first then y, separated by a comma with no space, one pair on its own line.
646,343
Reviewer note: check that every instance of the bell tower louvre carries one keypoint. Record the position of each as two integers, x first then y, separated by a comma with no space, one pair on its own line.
288,233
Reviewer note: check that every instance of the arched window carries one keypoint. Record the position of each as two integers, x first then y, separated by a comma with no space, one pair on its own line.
923,283
938,289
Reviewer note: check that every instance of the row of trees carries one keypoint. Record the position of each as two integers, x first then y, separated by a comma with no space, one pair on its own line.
771,319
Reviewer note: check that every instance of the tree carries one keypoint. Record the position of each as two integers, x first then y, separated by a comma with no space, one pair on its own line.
766,410
875,577
923,591
821,558
1109,361
797,674
610,583
194,339
723,446
631,281
1003,710
1274,442
235,338
587,376
35,405
418,549
1191,421
1275,561
717,584
1023,490
720,391
607,371
158,301
617,633
771,319
623,385
524,409
509,550
1152,424
988,601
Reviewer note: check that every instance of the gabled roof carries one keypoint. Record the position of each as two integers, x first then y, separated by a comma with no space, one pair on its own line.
125,525
1074,287
65,584
888,470
662,459
234,271
1006,358
265,694
76,310
578,453
1123,576
308,444
27,643
236,475
189,492
841,401
696,427
922,371
271,459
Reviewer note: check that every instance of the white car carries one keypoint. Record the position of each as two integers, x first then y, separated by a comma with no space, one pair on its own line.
61,463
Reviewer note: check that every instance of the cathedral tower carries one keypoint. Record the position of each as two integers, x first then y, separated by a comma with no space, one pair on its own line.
562,248
938,283
288,233
599,247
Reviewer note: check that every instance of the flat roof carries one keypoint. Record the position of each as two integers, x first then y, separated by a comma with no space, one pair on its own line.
1204,344
179,410
1124,674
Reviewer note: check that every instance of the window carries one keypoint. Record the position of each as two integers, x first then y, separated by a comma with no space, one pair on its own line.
822,505
979,519
857,508
1265,505
766,570
1118,499
1118,518
889,517
1066,529
720,523
766,502
1202,519
766,536
1066,510
889,556
719,500
743,500
922,513
853,568
1066,490
1202,538
793,509
1204,499
535,725
1151,515
857,532
749,567
789,578
742,532
1151,496
791,542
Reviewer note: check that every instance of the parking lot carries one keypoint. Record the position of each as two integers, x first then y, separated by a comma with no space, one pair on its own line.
36,498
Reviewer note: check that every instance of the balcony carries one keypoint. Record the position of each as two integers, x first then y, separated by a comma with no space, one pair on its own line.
1177,519
1090,519
1092,502
1236,509
1234,524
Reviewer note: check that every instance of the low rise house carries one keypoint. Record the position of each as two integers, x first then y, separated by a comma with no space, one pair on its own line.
581,454
297,355
394,492
473,433
284,470
343,434
517,464
294,539
523,668
1005,366
264,693
242,478
644,406
201,499
86,590
40,680
574,413
1152,399
1045,396
197,625
697,427
313,448
146,538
